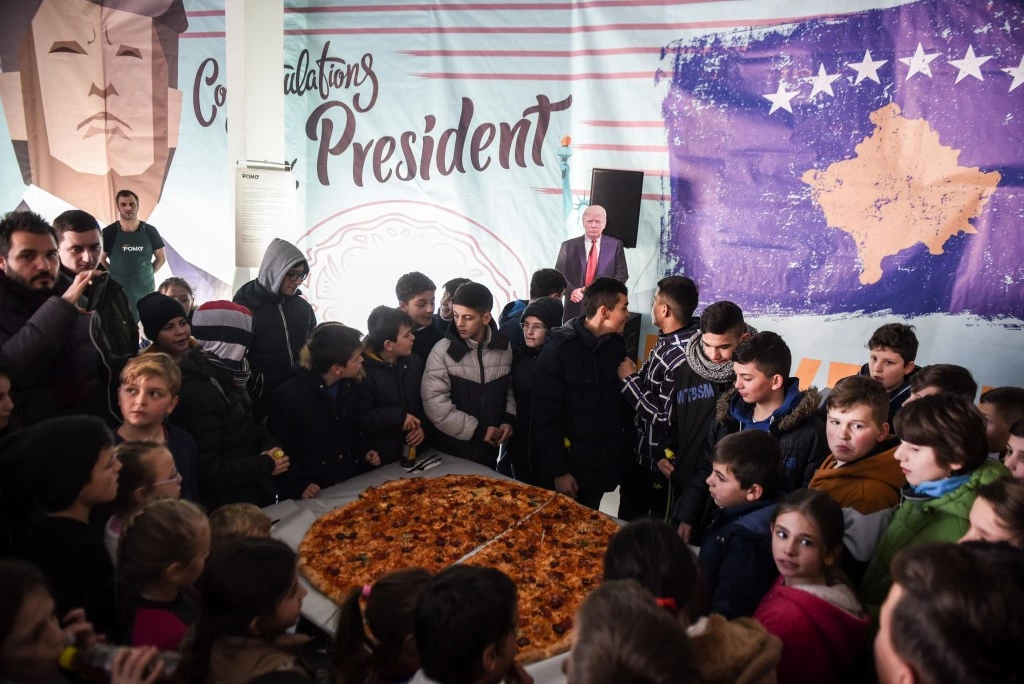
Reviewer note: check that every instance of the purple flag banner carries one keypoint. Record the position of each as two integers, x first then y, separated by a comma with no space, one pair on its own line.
861,163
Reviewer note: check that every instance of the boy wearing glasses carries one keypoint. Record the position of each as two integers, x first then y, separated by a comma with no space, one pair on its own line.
281,320
148,394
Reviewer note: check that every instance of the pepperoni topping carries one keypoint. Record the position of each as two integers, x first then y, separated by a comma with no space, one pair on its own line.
522,641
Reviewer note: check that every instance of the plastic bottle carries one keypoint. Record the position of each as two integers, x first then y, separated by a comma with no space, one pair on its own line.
100,657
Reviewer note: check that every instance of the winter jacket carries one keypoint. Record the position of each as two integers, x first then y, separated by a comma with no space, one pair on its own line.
116,319
577,410
510,321
736,558
869,484
213,409
280,324
521,451
238,660
425,339
797,425
387,393
736,651
317,431
467,388
651,393
822,629
697,393
56,355
898,396
922,519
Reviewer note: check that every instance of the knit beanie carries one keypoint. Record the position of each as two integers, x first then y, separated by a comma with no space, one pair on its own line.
157,310
53,460
224,329
547,309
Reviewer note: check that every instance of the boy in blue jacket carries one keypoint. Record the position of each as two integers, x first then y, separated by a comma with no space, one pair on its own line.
736,557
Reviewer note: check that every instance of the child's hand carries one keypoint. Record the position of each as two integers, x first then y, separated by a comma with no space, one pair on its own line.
492,436
312,490
411,422
566,484
373,458
131,663
626,368
685,531
79,629
666,467
280,464
414,437
506,432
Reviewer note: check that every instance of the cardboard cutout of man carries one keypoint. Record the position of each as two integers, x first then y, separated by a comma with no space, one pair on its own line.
588,257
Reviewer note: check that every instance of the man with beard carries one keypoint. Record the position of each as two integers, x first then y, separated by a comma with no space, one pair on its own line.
78,242
53,349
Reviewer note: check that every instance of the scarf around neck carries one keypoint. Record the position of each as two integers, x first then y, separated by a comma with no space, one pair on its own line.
702,365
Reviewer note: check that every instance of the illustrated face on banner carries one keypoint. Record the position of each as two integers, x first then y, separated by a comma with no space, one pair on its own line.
89,89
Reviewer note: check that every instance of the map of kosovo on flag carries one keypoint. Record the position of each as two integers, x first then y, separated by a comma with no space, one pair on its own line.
868,162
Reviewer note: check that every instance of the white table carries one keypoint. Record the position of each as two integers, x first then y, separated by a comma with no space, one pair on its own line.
295,517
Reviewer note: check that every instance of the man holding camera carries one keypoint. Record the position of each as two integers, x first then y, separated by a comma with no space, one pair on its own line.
52,347
78,243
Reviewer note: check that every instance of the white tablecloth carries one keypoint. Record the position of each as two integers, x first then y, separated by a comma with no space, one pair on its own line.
295,517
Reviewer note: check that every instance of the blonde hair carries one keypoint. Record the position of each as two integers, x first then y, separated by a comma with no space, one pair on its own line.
153,364
238,520
162,532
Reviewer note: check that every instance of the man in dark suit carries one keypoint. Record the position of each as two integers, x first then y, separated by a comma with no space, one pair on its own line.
588,257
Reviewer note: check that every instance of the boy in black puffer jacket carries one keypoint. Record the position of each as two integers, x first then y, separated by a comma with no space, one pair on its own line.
389,406
281,320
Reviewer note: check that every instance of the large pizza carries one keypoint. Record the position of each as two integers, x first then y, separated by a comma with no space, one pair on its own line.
547,543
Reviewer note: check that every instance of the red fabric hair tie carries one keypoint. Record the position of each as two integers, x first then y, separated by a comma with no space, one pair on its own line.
666,603
366,590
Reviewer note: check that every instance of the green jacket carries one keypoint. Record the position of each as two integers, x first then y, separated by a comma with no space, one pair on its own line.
922,520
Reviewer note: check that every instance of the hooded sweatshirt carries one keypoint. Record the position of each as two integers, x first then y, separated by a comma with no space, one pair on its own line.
822,629
280,324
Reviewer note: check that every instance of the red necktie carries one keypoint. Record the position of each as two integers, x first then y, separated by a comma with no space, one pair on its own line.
591,265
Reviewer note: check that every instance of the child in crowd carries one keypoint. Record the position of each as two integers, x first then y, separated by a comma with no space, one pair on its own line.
250,597
313,414
1014,460
237,521
893,349
998,513
415,293
389,406
538,320
465,626
67,465
735,555
1001,407
942,377
953,615
707,374
233,464
545,283
163,550
861,472
32,638
467,388
179,290
147,473
623,635
380,646
651,393
443,315
942,455
6,402
148,393
652,553
811,608
577,408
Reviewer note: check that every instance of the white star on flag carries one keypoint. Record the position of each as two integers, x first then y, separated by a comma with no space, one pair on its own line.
970,65
780,99
866,68
1018,74
822,83
919,62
